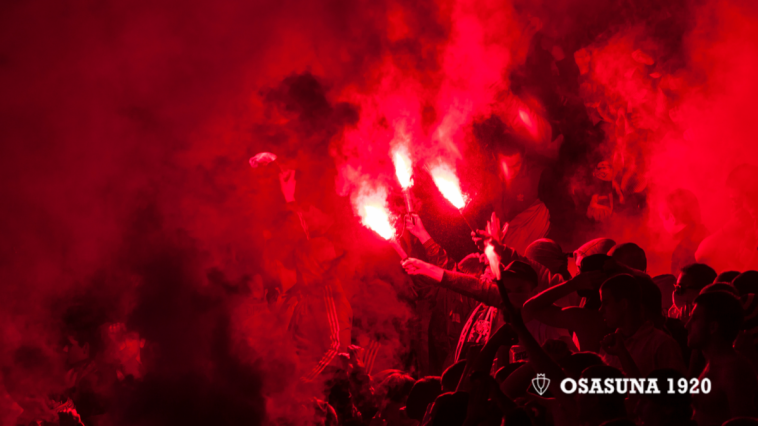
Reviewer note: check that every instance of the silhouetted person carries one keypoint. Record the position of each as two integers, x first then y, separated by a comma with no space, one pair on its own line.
516,198
712,328
637,347
549,254
746,282
629,254
691,280
665,409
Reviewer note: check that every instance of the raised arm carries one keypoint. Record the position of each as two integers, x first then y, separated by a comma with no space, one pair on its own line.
434,252
538,358
543,308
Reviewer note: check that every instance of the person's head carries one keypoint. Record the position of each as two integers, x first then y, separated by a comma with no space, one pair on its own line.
684,207
603,171
549,254
452,375
596,246
505,371
576,363
423,393
590,296
396,387
727,287
629,254
664,409
750,309
510,152
450,409
691,280
726,277
523,278
716,320
746,282
621,300
594,409
665,284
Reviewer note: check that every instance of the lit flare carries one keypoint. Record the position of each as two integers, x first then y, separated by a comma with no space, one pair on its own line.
449,185
403,168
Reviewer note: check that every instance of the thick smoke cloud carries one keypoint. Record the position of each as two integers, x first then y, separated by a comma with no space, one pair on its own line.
127,126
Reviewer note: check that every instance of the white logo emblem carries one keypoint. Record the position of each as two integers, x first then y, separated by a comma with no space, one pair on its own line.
540,383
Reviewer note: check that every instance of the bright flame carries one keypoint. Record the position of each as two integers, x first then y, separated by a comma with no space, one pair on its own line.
371,206
377,219
403,167
449,185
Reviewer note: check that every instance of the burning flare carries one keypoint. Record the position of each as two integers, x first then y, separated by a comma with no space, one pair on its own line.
448,184
378,220
403,167
371,206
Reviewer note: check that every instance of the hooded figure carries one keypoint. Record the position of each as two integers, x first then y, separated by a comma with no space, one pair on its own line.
321,316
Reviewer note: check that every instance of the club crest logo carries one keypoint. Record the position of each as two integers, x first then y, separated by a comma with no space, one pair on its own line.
540,383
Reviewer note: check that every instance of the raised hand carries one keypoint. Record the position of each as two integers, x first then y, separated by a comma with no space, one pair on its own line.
414,225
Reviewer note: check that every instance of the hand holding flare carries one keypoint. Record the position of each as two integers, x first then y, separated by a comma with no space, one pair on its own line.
492,237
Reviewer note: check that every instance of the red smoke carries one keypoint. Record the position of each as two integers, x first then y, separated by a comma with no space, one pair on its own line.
127,129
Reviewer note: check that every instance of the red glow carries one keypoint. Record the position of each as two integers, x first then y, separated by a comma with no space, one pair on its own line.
372,208
448,184
262,159
492,259
403,167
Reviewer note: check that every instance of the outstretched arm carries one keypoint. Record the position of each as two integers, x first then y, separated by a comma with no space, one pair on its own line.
543,308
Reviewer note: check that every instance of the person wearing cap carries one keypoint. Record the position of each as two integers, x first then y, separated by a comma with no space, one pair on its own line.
549,254
629,254
596,246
